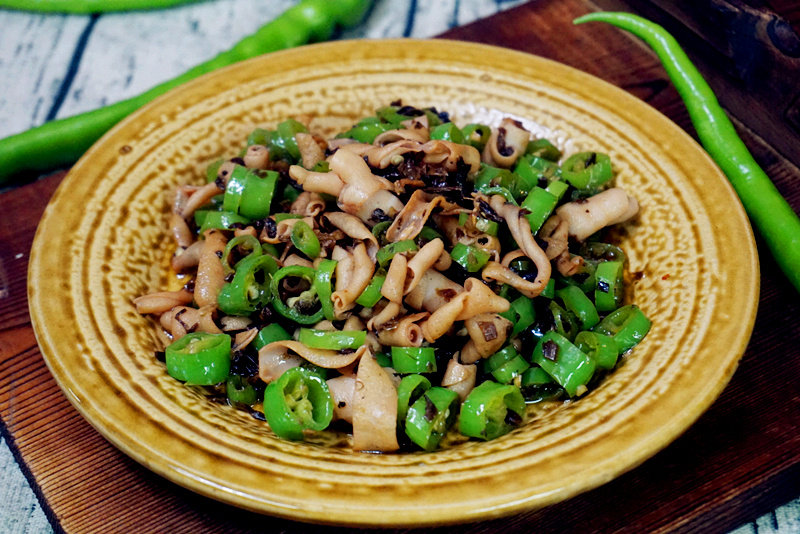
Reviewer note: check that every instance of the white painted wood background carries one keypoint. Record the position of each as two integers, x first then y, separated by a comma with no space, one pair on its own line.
54,66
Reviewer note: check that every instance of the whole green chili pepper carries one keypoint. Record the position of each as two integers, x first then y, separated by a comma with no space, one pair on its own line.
769,211
86,7
62,142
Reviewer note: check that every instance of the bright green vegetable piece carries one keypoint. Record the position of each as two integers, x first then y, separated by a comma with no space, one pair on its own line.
299,400
609,288
578,303
431,416
372,293
448,132
414,359
410,389
601,348
587,170
300,309
491,410
268,334
566,363
628,325
323,285
305,240
240,391
778,224
332,339
200,358
61,142
250,288
470,257
540,203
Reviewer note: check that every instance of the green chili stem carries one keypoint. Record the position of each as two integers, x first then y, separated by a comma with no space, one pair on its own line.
62,142
768,210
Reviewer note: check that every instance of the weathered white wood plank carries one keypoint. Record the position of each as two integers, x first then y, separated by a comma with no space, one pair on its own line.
35,53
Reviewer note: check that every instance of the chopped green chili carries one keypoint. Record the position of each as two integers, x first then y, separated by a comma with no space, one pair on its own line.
305,240
410,389
239,390
332,339
385,254
578,303
470,257
414,359
299,400
299,309
323,285
430,417
372,293
566,363
601,348
270,333
609,290
627,325
250,288
491,410
200,358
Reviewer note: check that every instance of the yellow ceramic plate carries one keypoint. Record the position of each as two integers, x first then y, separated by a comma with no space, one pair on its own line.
104,240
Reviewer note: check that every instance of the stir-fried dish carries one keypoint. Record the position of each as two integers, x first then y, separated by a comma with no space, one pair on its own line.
405,279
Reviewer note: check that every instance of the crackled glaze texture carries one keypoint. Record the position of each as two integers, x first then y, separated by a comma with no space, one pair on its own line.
104,240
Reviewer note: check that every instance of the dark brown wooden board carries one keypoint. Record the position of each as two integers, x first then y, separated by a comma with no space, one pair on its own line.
740,460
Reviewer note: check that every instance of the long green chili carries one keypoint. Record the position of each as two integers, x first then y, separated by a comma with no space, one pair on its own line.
778,224
62,142
86,7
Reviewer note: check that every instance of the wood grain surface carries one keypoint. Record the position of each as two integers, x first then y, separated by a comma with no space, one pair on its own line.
740,460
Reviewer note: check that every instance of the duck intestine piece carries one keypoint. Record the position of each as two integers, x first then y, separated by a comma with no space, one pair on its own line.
342,390
162,301
488,333
506,144
353,274
353,227
308,204
433,291
317,182
460,378
210,274
311,152
281,350
363,192
476,299
374,406
585,217
414,215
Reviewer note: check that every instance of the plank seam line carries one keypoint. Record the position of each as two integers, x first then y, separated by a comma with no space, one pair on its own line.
72,70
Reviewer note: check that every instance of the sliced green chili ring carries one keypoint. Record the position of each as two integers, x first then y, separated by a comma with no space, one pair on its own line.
259,136
282,143
219,220
534,168
305,240
544,149
521,313
536,376
505,365
488,176
448,132
379,231
323,284
300,310
384,360
601,348
429,418
586,170
566,323
491,410
199,358
426,235
297,401
557,188
367,130
258,194
271,333
470,257
409,390
389,115
385,254
498,190
332,339
235,188
213,169
321,166
246,242
549,291
540,203
566,363
250,288
627,325
372,293
609,289
240,391
476,135
407,360
269,248
584,278
578,303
